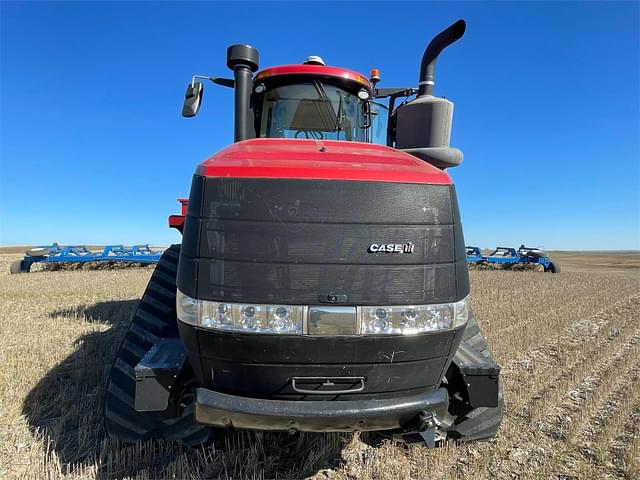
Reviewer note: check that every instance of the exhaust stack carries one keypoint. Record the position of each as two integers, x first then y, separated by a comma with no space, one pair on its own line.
436,46
423,126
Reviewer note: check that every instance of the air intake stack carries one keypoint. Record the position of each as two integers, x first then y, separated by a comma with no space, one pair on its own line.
243,60
423,126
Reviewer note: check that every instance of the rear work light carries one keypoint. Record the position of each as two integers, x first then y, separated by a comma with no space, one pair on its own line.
295,319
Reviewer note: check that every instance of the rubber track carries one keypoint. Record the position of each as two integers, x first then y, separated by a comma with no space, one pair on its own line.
155,318
473,337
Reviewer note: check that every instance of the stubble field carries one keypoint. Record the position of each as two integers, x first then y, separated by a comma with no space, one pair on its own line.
569,346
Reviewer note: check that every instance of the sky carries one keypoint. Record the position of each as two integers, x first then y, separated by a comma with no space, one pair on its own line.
93,148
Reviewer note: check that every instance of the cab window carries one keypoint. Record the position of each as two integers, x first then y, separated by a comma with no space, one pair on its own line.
312,110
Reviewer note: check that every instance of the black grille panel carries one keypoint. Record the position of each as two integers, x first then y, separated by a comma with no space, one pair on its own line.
363,285
297,241
321,243
326,201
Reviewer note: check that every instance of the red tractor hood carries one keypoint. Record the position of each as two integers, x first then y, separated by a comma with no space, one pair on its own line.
319,160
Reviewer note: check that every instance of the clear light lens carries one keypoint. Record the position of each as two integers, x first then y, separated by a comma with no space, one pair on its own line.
222,318
378,320
285,318
289,319
410,318
188,309
250,318
462,312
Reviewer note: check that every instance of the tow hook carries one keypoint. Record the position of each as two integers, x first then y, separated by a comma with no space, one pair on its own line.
427,428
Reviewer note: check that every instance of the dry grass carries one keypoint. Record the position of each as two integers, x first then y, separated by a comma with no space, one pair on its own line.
569,345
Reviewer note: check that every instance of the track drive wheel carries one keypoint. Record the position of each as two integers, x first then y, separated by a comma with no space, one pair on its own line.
155,318
466,423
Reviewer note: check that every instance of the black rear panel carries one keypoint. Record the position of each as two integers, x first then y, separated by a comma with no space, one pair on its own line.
297,241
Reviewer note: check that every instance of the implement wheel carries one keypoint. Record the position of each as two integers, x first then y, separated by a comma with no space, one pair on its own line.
17,267
154,319
554,267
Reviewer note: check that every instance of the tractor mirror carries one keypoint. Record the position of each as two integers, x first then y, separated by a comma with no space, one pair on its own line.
192,99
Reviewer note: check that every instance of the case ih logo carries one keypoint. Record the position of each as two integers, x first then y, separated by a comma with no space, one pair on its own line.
390,248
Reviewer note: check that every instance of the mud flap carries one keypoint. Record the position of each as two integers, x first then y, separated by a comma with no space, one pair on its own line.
480,375
156,375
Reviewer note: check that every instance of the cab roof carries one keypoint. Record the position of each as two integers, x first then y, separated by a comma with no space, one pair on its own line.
315,70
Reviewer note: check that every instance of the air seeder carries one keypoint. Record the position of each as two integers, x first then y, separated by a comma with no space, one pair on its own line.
321,284
508,257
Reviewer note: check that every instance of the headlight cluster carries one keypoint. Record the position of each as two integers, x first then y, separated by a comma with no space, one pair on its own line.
290,319
240,317
413,319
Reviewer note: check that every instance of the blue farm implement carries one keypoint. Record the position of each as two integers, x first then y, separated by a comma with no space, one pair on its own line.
79,254
474,255
508,257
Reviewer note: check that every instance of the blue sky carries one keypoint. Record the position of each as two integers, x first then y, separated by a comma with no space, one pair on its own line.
93,149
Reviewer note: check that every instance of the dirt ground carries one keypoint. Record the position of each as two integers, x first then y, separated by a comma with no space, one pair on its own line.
569,346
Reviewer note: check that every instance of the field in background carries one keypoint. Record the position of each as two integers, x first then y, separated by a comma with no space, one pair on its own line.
569,345
598,261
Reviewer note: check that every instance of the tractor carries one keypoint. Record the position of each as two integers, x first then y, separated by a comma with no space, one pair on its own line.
321,284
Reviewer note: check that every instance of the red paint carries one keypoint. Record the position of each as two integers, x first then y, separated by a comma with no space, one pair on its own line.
320,160
316,71
184,205
177,221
